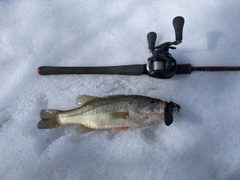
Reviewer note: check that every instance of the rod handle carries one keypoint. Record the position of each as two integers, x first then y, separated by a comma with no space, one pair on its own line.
123,70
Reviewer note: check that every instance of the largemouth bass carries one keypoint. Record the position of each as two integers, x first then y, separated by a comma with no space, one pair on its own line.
112,112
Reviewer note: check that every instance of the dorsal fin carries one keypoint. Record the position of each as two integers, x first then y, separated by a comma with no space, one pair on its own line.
82,99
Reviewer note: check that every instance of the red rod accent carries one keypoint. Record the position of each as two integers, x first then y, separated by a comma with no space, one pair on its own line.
39,71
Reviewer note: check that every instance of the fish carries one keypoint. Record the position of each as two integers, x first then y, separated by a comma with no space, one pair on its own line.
117,112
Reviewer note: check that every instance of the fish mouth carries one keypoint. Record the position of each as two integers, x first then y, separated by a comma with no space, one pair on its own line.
171,107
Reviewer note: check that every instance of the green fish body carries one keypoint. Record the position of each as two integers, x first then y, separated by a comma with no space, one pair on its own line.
112,112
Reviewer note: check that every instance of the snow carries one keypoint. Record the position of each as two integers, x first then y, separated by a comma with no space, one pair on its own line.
202,142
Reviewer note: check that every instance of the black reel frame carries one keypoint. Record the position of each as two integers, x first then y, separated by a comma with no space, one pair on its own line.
162,64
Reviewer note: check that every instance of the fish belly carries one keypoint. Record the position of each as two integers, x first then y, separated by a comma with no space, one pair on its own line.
99,121
103,121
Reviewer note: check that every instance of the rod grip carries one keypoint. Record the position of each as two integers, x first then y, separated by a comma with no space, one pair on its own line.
123,70
184,69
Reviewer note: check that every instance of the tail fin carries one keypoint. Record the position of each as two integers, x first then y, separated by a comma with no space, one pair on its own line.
48,119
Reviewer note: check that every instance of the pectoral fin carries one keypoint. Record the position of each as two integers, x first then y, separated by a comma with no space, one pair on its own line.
83,129
120,115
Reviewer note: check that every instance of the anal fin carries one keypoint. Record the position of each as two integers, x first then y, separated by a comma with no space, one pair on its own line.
83,129
121,128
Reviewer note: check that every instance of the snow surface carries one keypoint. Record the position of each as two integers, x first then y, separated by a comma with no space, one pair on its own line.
202,143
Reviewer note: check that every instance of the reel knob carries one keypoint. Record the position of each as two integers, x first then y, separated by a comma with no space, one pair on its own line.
152,36
178,23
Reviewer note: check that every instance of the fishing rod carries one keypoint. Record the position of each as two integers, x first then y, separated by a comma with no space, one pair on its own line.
160,65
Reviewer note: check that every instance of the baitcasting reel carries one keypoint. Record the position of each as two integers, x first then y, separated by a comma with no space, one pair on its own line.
162,64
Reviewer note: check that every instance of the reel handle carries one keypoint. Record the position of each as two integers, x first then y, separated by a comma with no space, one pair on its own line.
178,23
152,36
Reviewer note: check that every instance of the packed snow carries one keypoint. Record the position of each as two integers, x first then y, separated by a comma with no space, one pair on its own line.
202,143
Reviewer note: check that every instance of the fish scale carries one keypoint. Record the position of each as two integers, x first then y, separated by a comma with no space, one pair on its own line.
103,109
106,104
